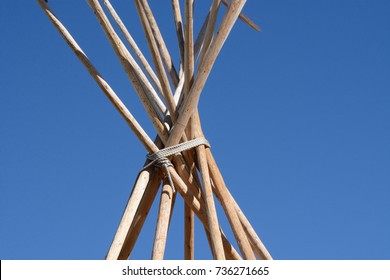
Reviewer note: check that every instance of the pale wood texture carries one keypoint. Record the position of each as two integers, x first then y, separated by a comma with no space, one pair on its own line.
135,74
191,101
189,233
161,44
164,217
134,47
231,214
147,20
212,19
128,215
141,214
170,100
188,61
179,29
104,86
244,18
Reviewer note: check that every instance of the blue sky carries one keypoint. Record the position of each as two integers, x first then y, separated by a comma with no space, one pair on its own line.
297,115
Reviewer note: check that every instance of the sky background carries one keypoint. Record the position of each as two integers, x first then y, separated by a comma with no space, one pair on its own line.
298,116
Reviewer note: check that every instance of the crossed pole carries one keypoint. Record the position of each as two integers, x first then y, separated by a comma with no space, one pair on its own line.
170,98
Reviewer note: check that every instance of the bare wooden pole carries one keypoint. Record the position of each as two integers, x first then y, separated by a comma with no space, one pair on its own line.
179,29
189,46
200,203
192,99
161,44
121,52
137,77
200,38
134,125
164,214
257,245
144,208
187,156
215,236
145,205
210,27
134,46
199,212
166,89
144,138
105,87
168,95
188,73
211,212
179,90
231,214
140,217
126,57
189,233
128,215
244,18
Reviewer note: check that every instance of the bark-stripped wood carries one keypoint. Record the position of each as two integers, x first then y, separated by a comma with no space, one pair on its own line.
157,59
163,219
191,101
134,46
244,18
161,44
176,124
179,30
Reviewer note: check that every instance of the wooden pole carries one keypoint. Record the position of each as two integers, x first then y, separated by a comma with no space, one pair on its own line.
189,46
200,38
133,71
188,73
161,44
211,212
144,208
164,214
166,89
124,55
121,52
134,46
128,215
215,238
200,203
210,27
134,125
179,30
168,95
257,245
244,18
192,99
141,214
104,86
231,214
198,211
189,233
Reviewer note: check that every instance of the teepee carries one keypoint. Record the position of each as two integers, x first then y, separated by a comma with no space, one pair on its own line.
179,160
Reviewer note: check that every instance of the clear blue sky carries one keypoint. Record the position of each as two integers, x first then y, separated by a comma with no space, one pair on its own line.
298,116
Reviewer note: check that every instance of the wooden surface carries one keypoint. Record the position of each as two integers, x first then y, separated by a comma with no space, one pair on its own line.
170,99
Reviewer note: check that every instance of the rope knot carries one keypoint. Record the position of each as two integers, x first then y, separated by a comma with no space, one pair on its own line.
160,159
163,162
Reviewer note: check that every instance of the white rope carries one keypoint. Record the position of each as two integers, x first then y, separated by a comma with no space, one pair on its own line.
160,158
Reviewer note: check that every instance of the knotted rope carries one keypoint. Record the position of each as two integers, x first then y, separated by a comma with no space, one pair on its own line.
160,159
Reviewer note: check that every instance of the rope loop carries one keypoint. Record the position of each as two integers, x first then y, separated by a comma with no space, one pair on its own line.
160,159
